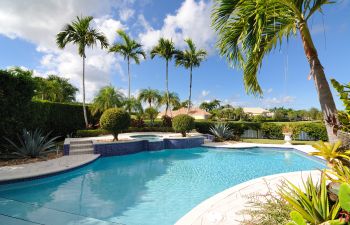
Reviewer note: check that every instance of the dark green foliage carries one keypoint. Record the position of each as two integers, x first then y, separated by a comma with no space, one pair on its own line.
238,128
115,120
92,133
16,92
183,124
166,121
272,130
99,132
137,122
316,131
32,144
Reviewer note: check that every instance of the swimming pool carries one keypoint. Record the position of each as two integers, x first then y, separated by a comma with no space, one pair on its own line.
149,137
147,188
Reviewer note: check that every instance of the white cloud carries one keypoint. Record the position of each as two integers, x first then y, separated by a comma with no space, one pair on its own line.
42,20
192,20
126,13
276,101
205,93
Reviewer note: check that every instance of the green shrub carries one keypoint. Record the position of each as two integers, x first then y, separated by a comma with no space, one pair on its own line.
183,124
166,121
151,114
16,92
91,133
272,130
316,131
100,132
115,120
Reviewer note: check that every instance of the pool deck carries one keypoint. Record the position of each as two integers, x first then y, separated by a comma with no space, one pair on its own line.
40,169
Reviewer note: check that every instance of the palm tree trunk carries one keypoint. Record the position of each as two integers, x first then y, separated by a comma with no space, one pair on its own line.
167,89
84,108
189,98
322,87
129,82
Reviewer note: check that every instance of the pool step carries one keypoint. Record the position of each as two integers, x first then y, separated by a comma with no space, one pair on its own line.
81,147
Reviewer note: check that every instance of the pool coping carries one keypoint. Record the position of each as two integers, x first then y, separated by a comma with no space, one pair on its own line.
232,200
42,169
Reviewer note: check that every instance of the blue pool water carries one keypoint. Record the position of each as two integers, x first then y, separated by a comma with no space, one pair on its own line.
148,188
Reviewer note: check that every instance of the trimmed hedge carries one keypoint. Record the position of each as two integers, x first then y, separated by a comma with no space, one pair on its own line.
115,120
183,124
272,131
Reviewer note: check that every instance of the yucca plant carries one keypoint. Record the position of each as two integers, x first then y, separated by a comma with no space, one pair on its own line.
330,152
311,202
221,131
32,144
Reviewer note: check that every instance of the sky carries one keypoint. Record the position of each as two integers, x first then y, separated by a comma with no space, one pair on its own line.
27,39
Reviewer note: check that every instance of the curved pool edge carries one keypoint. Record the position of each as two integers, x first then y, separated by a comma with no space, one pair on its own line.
224,207
37,170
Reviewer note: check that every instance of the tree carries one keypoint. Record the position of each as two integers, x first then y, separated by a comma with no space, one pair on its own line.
186,104
80,32
134,106
150,95
170,100
165,49
151,114
249,29
129,49
107,97
190,58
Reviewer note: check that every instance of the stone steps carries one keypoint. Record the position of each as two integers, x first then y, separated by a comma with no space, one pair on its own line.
81,147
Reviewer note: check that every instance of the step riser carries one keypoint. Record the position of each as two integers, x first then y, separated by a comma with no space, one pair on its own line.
80,146
81,153
80,142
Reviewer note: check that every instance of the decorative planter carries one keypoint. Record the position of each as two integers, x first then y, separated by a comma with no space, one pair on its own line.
287,138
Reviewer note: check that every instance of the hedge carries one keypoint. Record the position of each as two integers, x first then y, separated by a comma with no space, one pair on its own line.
100,132
237,127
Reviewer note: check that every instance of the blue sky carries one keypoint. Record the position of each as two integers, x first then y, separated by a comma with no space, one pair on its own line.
283,75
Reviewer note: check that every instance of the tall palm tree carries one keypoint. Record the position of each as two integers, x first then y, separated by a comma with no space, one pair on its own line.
80,32
190,58
165,49
106,98
150,95
170,100
129,49
249,29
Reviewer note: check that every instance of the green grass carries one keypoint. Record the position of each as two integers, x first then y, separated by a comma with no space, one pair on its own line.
272,141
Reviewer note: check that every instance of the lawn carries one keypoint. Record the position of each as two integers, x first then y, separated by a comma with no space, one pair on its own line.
273,141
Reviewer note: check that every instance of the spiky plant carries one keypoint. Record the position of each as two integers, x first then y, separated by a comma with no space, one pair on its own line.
221,131
32,144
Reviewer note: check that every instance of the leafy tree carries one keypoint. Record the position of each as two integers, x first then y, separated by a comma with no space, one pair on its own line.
107,97
151,114
172,100
186,104
134,106
150,95
165,49
81,33
314,114
189,59
209,106
129,49
249,29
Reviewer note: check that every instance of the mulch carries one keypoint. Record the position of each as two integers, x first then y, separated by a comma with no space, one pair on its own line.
12,162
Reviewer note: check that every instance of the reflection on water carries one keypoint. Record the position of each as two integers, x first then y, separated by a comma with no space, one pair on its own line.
142,188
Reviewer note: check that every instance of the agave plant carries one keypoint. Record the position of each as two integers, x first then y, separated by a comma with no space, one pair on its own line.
311,202
330,152
221,131
32,144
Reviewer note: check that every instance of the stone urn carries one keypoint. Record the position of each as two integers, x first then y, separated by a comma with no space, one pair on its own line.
287,138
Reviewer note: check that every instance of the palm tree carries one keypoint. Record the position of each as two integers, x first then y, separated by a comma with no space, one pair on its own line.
249,29
150,95
190,58
165,49
129,49
170,100
107,97
80,32
133,105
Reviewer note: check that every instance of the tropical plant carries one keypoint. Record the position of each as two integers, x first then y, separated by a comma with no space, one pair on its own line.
189,59
150,96
151,114
115,120
249,29
107,97
167,121
312,201
183,124
330,151
165,49
171,100
209,106
80,32
32,144
221,131
129,49
134,106
54,89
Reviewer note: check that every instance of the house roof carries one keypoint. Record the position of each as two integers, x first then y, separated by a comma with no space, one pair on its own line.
257,110
192,112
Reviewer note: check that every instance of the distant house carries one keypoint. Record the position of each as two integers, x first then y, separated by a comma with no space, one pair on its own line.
196,113
258,111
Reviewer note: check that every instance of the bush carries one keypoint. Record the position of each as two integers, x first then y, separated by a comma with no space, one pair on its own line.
272,130
16,92
183,124
316,131
221,132
166,121
115,120
151,114
138,122
91,133
100,132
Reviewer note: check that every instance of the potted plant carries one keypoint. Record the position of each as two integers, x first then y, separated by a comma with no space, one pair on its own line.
287,131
